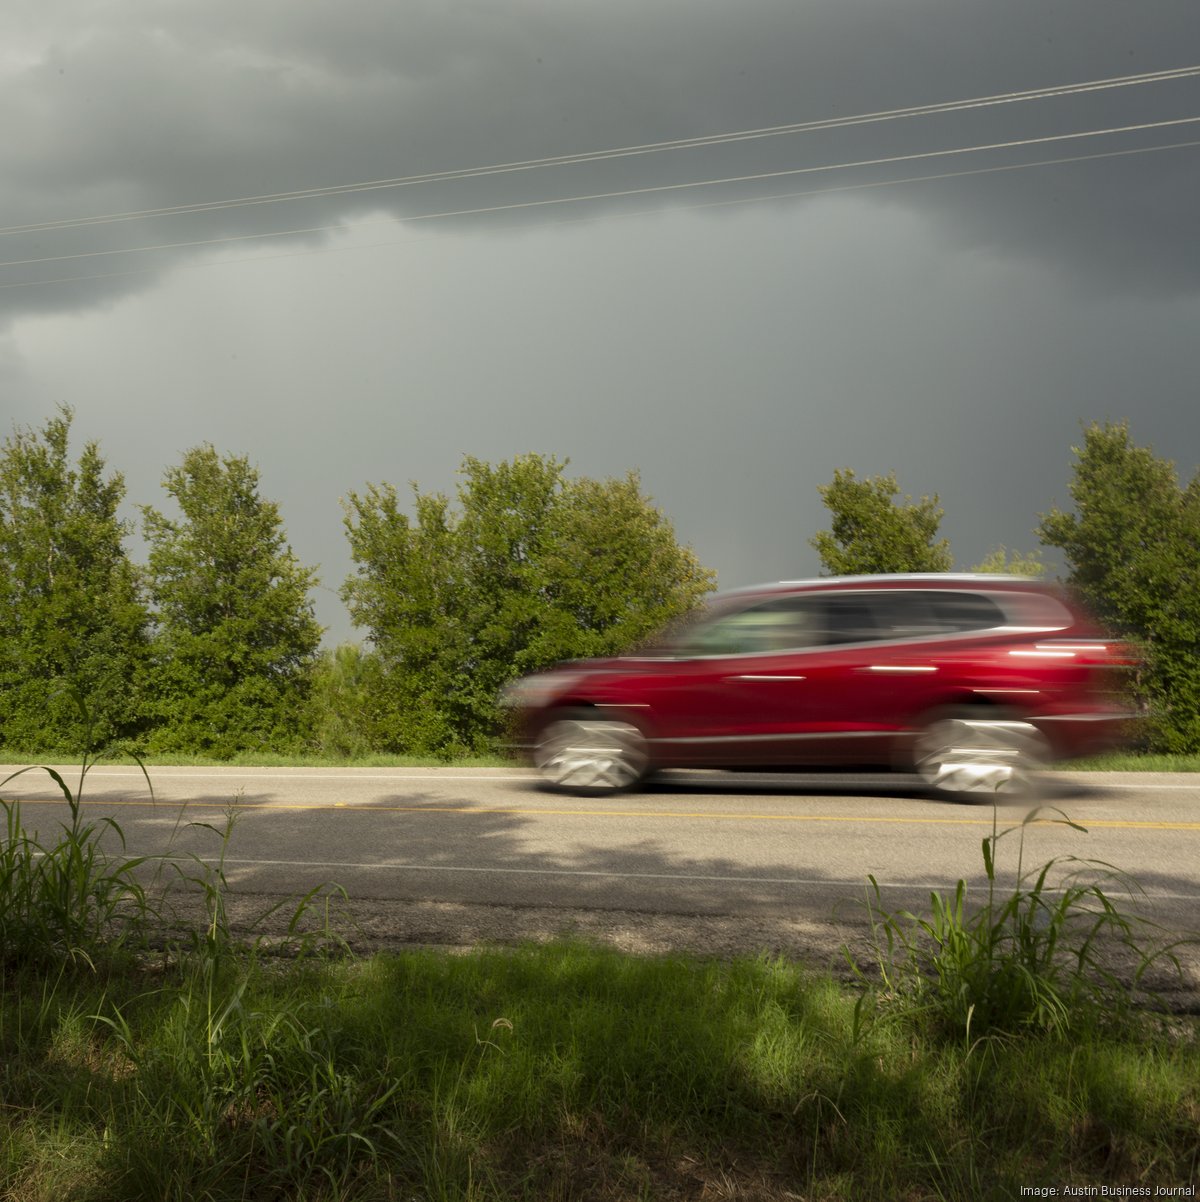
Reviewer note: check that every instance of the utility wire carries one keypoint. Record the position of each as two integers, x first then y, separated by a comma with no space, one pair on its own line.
660,188
924,110
594,218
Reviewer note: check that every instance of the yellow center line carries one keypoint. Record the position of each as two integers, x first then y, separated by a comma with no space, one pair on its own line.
877,819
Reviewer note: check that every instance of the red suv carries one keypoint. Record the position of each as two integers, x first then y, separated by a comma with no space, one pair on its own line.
971,682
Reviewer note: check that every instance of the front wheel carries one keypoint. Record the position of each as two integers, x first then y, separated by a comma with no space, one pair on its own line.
978,756
582,752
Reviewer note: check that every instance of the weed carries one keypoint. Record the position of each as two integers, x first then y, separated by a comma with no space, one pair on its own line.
1039,957
217,942
68,897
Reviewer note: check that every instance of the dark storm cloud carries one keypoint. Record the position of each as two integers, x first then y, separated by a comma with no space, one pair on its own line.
139,105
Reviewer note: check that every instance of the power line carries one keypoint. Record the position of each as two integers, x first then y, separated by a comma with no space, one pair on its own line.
712,204
616,195
829,123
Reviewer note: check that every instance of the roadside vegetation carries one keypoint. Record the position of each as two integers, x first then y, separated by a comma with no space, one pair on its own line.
558,1071
1134,761
250,759
983,1049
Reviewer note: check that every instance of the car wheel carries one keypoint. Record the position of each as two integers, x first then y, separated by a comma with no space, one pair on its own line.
582,752
977,755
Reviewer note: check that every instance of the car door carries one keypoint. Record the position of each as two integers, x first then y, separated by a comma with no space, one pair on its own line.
926,638
739,691
841,724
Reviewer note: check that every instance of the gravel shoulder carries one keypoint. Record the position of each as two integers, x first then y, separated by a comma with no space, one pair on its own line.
834,948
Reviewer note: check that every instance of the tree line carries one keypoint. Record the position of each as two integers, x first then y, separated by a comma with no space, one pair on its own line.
211,646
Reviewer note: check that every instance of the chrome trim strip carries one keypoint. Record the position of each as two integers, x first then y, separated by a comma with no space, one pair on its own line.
897,668
749,676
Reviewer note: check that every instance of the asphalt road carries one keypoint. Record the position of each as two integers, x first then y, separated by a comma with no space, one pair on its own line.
695,845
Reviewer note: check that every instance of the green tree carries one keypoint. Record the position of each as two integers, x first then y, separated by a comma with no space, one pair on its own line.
1003,562
872,533
71,615
236,637
532,568
408,595
344,681
1133,550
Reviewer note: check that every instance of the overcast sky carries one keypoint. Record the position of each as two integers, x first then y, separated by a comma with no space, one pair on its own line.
951,315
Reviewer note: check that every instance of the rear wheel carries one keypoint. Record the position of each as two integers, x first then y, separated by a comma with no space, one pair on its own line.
580,751
978,755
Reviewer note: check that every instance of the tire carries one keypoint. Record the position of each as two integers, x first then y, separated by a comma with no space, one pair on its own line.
579,751
979,755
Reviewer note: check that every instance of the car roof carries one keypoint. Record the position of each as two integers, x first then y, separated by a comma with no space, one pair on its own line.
901,579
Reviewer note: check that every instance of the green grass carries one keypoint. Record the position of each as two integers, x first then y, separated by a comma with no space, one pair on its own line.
272,760
61,896
559,1071
1127,761
1035,955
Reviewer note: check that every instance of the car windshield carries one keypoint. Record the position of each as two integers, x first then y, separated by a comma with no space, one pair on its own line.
677,635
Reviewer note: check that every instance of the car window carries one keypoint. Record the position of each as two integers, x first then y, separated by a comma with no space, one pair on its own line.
966,611
778,625
918,613
1037,609
907,615
848,619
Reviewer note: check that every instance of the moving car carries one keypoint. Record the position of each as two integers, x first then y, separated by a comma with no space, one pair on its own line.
971,681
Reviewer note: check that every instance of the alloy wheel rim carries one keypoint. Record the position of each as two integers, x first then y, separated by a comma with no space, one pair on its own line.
602,756
979,756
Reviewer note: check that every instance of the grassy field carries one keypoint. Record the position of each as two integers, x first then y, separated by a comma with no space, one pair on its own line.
559,1072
